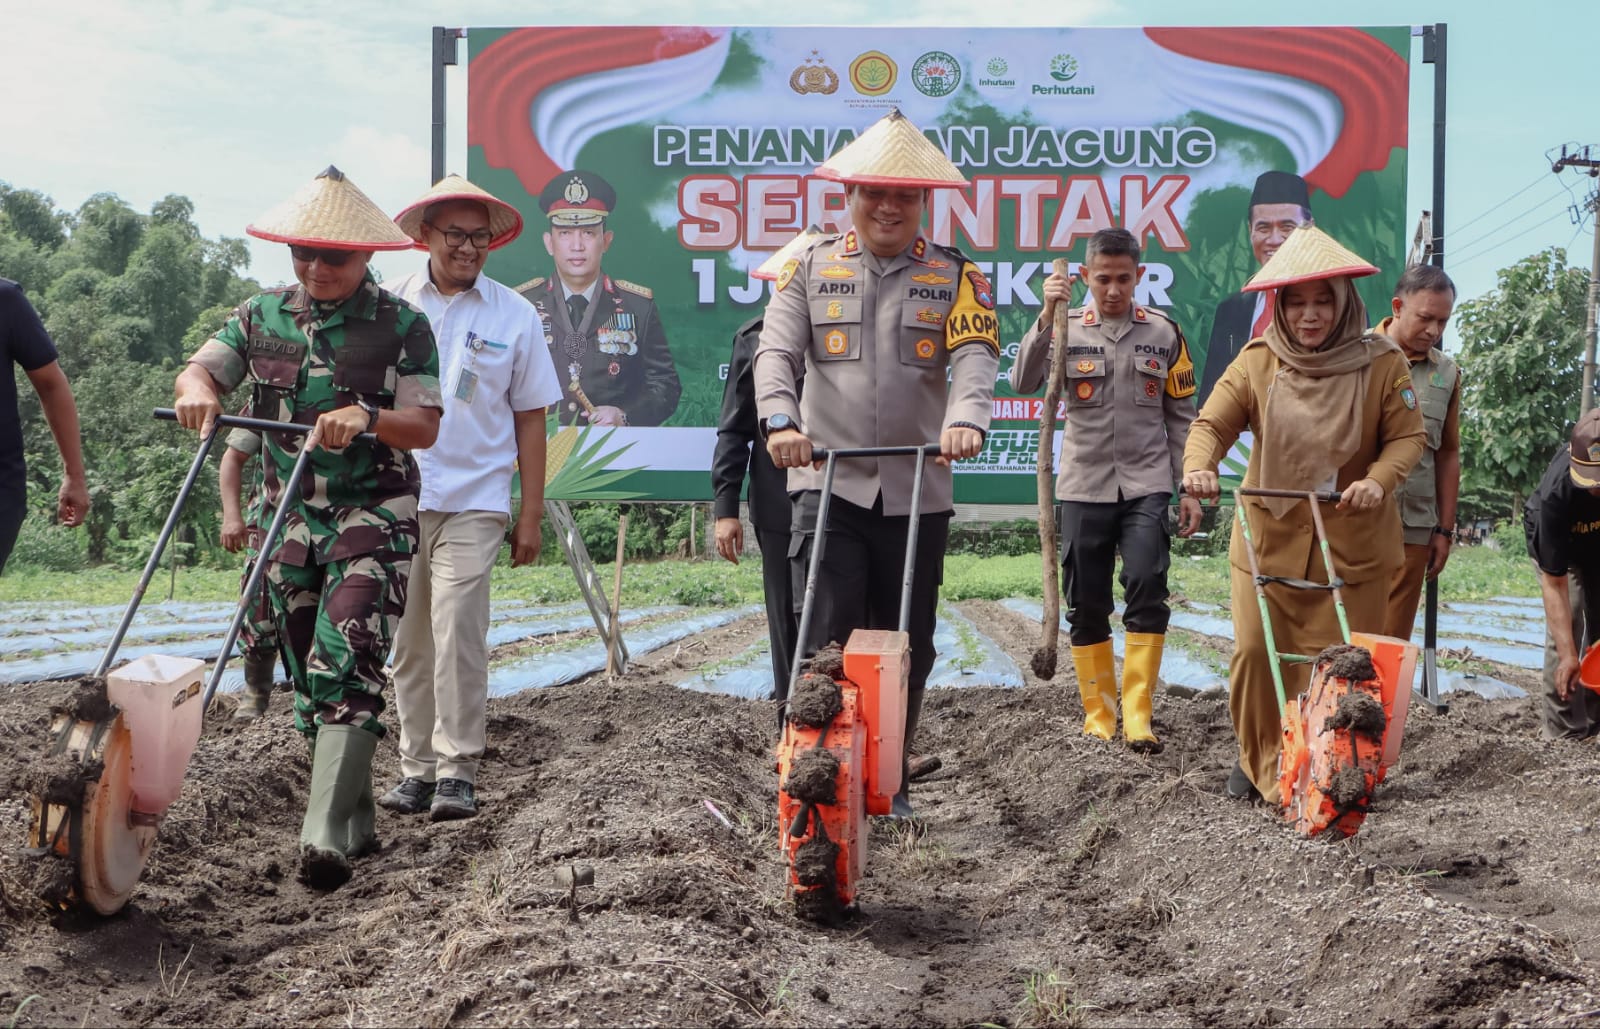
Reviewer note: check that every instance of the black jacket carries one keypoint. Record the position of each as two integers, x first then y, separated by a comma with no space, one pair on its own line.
740,447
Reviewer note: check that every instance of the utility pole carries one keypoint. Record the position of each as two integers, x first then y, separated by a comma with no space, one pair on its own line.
1585,158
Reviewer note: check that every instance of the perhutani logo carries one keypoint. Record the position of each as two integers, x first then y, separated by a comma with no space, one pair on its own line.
1063,68
997,77
936,74
873,73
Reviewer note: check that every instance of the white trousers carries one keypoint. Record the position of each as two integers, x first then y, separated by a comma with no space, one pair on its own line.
441,651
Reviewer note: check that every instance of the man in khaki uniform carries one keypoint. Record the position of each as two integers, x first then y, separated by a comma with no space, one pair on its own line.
1423,300
896,339
1129,392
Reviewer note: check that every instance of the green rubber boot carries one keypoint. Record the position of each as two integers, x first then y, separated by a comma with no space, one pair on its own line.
340,821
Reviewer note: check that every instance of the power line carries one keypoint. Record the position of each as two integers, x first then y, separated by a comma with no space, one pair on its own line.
1507,223
1498,205
1491,248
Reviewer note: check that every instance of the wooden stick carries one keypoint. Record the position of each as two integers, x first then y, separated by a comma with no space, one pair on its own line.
616,599
1044,658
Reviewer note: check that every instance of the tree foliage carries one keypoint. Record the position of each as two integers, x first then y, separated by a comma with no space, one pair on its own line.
126,297
1521,371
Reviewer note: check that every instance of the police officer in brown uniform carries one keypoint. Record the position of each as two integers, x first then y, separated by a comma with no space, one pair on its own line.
1423,300
896,339
1129,393
605,334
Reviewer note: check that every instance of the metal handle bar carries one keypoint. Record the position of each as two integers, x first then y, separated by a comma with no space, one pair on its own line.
1326,496
239,421
844,453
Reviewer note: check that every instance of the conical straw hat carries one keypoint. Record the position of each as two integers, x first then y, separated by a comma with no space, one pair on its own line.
505,221
330,212
1307,255
771,266
893,152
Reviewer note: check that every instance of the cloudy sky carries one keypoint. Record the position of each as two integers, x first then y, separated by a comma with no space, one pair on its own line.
234,104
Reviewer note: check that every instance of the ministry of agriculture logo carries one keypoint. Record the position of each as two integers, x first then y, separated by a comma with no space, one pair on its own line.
1063,67
873,73
936,73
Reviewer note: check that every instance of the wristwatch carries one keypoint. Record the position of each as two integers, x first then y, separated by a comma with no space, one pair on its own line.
372,414
777,423
1449,534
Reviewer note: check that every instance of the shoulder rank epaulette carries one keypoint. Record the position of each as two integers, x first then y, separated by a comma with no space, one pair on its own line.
1156,311
634,287
530,284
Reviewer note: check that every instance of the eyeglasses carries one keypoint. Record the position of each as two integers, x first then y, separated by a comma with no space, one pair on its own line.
331,258
456,237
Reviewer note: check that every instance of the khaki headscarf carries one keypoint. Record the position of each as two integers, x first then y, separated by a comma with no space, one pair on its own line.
1312,421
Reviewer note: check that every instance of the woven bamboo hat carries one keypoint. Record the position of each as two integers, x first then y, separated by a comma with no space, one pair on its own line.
330,212
505,221
893,152
771,266
1307,255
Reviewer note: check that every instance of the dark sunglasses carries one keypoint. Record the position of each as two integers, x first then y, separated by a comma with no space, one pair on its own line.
331,258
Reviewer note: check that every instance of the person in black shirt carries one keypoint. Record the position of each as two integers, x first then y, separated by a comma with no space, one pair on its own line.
24,342
1562,524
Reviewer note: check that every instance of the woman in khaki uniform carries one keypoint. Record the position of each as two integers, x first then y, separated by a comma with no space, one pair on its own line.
1331,407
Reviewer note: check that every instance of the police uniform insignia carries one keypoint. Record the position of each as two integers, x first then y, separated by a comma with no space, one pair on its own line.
925,348
1085,390
1085,367
981,289
614,368
837,271
634,287
836,342
932,279
1151,389
835,309
850,241
919,248
930,263
930,316
1152,364
1088,317
577,192
1139,315
1180,374
789,268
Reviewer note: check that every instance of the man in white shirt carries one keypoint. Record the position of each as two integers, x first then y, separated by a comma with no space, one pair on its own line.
497,379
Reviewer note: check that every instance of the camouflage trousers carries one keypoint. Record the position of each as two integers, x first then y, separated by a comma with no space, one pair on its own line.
337,623
258,633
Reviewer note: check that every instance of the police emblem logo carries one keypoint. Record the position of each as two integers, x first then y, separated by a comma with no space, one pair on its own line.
1152,364
1085,390
789,268
813,76
930,316
925,348
1151,389
835,309
1139,315
576,192
837,271
1085,367
981,289
932,279
836,342
614,368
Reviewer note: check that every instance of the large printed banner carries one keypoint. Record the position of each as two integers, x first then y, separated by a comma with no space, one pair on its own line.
708,138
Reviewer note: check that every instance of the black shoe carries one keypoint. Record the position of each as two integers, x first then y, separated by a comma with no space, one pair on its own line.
1240,787
452,799
411,797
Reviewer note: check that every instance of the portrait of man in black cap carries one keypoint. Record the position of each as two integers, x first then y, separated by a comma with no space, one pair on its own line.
1279,204
605,335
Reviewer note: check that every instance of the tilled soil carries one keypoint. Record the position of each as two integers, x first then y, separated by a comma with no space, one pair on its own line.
1058,881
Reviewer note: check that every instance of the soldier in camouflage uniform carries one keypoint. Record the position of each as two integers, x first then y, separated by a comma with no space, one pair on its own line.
338,353
258,636
604,334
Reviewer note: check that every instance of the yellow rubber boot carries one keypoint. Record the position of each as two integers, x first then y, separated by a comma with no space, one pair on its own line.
1097,685
1141,662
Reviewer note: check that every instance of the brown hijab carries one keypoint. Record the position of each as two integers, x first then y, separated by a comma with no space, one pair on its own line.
1312,421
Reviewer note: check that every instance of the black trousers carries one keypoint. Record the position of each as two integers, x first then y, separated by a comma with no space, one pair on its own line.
858,585
13,509
1091,535
783,620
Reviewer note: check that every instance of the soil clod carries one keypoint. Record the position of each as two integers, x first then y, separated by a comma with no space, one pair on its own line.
814,776
828,661
1347,661
815,700
1359,712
